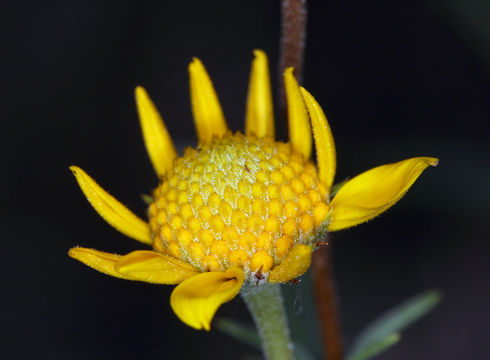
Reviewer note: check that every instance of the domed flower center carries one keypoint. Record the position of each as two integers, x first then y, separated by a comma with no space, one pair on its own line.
237,201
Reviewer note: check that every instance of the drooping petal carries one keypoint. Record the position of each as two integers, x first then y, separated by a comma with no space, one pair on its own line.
158,142
208,116
196,299
294,265
259,119
299,124
98,260
374,191
111,210
325,146
152,267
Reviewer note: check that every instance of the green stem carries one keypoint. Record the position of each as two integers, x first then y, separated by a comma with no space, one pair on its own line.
267,308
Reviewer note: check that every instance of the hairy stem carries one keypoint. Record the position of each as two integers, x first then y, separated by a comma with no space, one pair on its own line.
266,306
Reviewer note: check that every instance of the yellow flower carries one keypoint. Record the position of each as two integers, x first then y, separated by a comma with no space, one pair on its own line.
239,207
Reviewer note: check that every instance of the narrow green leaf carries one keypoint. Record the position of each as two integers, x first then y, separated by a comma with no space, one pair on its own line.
397,319
375,348
241,332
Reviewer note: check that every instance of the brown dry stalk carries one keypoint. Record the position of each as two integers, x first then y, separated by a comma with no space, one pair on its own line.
326,303
292,48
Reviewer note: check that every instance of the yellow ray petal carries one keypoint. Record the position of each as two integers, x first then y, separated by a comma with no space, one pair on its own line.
259,119
196,299
299,124
112,210
208,116
325,146
152,267
294,265
98,260
158,142
374,191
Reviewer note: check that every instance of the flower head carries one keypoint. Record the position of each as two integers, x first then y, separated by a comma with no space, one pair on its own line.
239,207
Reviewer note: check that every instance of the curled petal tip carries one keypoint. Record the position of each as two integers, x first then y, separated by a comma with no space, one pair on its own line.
434,161
139,92
110,209
369,194
195,64
72,252
196,300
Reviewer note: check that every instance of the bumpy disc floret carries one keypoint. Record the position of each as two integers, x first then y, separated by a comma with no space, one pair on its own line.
238,201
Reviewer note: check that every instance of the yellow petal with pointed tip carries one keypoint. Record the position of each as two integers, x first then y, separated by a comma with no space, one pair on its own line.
152,267
111,210
98,260
259,119
208,116
299,124
294,265
196,299
325,146
374,191
158,142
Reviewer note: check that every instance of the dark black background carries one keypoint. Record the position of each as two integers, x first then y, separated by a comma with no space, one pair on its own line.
396,79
